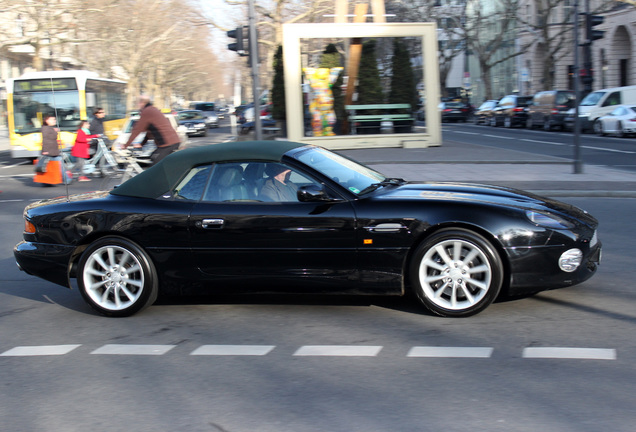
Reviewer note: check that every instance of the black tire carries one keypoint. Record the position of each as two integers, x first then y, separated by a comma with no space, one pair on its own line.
598,128
620,132
116,277
546,124
439,279
507,122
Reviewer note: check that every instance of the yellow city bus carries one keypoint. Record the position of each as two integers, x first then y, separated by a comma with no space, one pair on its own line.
71,95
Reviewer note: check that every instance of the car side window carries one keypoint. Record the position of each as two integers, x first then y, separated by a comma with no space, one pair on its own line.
281,183
613,99
193,184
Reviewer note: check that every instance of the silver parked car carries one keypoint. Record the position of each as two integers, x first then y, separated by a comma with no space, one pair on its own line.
620,122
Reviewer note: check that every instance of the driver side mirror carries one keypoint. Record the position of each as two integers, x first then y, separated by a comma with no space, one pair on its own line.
313,193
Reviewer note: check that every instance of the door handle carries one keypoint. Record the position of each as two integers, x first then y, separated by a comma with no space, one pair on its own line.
212,223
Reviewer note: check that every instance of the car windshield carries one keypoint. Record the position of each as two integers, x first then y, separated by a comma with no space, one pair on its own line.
350,174
592,99
190,115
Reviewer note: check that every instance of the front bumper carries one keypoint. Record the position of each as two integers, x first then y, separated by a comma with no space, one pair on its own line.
524,263
46,261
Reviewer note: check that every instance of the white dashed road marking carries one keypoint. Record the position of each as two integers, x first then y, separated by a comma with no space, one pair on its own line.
338,350
42,350
570,353
116,349
318,351
233,350
433,351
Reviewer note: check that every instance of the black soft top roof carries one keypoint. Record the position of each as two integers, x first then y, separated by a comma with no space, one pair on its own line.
158,179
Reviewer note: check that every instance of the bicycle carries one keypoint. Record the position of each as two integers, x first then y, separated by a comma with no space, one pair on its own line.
129,164
102,161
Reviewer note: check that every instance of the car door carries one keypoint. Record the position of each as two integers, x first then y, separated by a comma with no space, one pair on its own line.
240,237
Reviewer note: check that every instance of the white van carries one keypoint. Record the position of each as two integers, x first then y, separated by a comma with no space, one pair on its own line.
602,102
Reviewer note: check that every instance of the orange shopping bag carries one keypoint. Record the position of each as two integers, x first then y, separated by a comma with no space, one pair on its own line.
53,174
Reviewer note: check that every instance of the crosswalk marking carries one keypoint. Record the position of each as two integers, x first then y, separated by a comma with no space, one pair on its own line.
436,351
233,350
41,350
570,353
338,350
120,349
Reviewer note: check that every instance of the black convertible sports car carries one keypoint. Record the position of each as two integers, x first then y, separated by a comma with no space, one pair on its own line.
286,217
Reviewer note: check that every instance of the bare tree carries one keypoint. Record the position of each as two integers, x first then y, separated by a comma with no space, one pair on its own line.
450,33
549,25
156,46
43,26
491,35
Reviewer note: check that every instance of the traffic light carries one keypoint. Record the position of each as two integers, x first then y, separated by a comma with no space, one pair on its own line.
242,44
590,22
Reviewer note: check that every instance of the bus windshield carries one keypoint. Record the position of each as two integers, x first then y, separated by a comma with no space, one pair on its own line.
30,108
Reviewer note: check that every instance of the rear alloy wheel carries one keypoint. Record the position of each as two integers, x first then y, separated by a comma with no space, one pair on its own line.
619,132
116,277
507,122
456,273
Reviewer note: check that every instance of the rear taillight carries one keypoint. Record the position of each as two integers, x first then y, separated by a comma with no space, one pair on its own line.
632,119
518,110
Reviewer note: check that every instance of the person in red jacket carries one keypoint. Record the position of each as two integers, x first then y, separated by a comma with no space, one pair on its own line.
80,149
151,120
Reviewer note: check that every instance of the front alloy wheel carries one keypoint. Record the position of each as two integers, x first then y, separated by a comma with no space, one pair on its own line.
116,277
456,273
598,128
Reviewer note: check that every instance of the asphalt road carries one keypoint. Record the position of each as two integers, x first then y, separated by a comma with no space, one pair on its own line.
558,361
607,151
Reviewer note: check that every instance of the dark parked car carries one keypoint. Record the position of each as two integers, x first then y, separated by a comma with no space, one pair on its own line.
549,109
454,111
511,111
483,113
280,216
208,109
194,122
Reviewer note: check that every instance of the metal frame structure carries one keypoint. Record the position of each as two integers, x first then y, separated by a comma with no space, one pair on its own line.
292,36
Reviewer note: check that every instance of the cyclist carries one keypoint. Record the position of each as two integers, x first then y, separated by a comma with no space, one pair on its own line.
154,123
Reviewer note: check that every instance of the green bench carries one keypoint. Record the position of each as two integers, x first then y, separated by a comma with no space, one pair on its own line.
370,123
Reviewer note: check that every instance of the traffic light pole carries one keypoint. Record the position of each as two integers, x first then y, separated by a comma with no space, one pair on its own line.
588,78
578,163
256,87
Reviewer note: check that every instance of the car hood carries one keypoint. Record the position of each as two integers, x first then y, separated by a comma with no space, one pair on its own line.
70,199
484,194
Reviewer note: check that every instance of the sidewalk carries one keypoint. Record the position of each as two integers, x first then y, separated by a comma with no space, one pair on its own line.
455,161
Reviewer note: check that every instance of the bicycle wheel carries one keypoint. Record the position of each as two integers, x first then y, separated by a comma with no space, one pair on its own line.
114,179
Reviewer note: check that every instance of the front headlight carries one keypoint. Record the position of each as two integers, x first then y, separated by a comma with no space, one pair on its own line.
548,220
200,125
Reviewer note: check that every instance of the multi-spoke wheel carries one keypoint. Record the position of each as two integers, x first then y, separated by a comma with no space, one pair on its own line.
456,273
116,277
